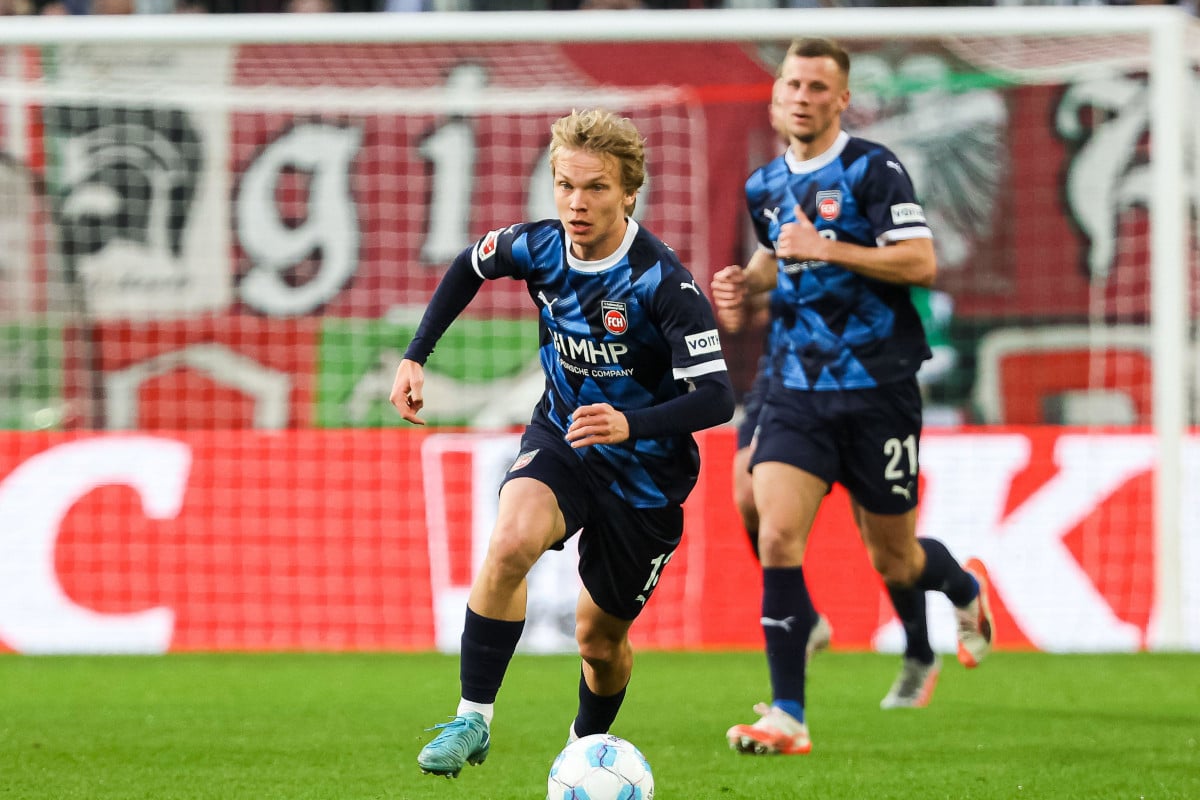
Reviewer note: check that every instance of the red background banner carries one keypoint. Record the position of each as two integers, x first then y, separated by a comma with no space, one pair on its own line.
320,540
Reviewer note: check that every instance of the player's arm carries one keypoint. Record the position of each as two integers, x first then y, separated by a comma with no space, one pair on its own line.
906,261
738,292
708,404
458,287
686,320
762,272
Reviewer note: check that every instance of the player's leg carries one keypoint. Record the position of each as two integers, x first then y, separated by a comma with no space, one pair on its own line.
528,522
623,553
920,666
883,476
743,490
881,471
925,564
743,498
787,498
743,487
743,495
607,664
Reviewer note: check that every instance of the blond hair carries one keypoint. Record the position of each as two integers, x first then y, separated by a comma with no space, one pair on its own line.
605,134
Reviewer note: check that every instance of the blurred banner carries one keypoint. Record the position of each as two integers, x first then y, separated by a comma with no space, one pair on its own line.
331,185
367,540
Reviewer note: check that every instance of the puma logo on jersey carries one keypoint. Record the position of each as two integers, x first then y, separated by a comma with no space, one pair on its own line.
895,165
691,286
904,491
548,304
772,214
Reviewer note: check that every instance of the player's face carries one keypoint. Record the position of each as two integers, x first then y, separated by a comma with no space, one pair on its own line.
591,203
813,95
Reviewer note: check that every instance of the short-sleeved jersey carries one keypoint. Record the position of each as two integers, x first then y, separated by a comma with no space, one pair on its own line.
631,330
831,328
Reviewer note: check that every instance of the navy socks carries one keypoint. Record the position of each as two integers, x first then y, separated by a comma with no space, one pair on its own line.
487,647
910,608
596,713
787,620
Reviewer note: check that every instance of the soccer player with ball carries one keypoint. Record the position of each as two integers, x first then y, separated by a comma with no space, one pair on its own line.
633,368
843,405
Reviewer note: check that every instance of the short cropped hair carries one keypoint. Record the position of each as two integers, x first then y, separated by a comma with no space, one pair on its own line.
604,133
818,48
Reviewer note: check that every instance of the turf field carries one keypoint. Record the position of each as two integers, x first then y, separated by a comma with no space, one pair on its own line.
1023,725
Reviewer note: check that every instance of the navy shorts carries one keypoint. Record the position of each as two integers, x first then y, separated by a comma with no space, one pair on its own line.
751,406
622,549
865,439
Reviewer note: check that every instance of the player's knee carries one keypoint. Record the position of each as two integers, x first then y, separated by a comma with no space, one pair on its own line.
597,649
513,552
780,547
895,570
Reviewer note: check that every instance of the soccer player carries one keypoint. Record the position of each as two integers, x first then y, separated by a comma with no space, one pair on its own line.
743,495
843,404
633,367
920,666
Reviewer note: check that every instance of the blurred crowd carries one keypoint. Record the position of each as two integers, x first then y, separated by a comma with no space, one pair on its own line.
27,7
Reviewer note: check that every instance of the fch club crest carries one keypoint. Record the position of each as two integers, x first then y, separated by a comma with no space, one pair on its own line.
829,204
615,318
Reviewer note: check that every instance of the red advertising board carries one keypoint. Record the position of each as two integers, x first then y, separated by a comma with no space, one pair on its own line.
352,540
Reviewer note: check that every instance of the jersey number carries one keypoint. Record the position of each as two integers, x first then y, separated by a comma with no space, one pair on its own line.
657,565
895,450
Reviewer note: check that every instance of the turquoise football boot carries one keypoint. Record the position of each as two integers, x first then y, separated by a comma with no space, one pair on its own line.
463,740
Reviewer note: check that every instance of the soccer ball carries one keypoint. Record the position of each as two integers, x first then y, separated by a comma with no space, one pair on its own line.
600,767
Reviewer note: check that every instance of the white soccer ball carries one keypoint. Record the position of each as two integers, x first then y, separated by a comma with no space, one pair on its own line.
600,767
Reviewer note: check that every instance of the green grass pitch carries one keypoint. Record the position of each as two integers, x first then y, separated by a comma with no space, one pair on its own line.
226,727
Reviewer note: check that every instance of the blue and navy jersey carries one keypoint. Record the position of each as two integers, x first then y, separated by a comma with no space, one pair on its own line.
630,330
832,328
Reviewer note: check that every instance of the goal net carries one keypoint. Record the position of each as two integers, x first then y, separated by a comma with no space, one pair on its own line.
221,233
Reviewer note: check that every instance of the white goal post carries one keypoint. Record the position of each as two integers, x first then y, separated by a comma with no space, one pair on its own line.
83,66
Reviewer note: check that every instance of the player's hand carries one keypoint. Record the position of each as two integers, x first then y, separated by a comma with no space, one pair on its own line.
728,290
800,240
408,389
598,423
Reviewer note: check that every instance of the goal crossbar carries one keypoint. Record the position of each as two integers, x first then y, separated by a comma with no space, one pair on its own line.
602,26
